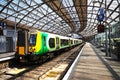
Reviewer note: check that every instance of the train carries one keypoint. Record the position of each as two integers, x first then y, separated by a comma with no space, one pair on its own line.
34,45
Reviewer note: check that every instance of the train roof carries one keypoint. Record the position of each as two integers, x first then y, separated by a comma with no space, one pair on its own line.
34,31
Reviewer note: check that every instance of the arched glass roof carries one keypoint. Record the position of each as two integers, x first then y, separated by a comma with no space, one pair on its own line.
112,14
61,17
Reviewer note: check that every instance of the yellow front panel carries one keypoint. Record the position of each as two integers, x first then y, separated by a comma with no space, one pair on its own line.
21,50
38,45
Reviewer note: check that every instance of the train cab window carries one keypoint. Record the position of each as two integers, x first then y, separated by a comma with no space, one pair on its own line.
33,39
52,42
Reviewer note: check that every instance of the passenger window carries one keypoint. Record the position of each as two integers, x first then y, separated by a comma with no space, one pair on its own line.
52,42
64,42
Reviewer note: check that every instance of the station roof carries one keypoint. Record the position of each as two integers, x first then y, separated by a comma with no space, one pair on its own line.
61,17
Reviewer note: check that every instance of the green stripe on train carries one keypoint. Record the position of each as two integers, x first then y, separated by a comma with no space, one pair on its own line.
42,43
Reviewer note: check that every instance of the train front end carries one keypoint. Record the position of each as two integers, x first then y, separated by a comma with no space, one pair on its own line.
35,43
29,46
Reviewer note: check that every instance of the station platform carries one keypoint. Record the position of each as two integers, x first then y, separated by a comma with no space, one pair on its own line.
94,65
6,56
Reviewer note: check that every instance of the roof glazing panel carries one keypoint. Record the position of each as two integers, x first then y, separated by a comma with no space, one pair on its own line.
59,18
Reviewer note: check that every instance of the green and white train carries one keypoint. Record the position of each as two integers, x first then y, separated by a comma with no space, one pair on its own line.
32,45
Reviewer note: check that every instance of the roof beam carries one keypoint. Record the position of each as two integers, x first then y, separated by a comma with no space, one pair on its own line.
81,7
58,7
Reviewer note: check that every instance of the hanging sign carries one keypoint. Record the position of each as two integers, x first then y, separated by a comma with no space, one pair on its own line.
101,10
3,25
101,15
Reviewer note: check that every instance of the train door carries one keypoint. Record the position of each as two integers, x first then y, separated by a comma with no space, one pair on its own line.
22,42
69,42
57,42
44,38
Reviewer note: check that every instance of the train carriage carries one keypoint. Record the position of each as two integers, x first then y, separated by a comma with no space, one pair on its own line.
37,44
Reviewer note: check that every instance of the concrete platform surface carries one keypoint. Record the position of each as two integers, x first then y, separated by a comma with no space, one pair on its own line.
90,67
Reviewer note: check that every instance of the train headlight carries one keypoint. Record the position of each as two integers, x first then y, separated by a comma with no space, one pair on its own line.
30,49
20,57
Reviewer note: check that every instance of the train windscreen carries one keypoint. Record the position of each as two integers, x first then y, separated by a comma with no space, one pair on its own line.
33,39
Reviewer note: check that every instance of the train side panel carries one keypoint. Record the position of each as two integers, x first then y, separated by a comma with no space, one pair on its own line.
71,42
57,42
44,43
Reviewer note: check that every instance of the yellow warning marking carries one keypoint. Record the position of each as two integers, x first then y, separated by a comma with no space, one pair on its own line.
15,71
54,73
21,50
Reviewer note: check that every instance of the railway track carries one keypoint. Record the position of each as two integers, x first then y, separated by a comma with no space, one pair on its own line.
5,63
53,69
5,59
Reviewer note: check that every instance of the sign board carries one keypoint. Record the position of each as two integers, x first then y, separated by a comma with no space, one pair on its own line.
9,33
102,11
101,14
100,17
3,25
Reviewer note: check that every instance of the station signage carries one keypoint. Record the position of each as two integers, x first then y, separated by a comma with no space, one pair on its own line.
3,25
9,33
101,15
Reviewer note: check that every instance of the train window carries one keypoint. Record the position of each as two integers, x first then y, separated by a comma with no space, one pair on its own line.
52,42
64,42
33,39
